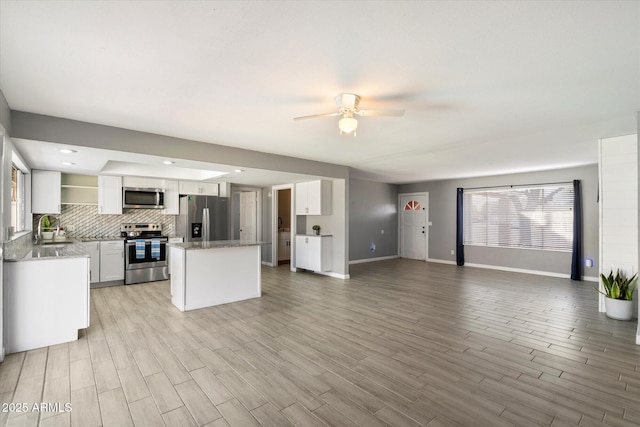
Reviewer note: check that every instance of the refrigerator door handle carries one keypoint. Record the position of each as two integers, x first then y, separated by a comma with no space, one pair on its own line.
205,224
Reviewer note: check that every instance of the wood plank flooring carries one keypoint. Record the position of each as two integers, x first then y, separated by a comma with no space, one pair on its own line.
402,343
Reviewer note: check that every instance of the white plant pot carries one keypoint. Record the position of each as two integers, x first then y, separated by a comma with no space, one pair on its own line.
619,309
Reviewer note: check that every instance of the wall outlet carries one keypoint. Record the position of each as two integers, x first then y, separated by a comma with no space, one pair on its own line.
382,231
372,247
453,252
588,263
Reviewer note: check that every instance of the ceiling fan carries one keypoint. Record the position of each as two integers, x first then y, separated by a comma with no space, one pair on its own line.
348,108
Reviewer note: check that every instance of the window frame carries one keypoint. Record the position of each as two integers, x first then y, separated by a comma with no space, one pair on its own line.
503,226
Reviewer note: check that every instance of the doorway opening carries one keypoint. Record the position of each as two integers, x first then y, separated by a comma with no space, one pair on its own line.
284,226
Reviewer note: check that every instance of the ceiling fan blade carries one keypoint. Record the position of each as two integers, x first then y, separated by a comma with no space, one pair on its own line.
317,116
369,113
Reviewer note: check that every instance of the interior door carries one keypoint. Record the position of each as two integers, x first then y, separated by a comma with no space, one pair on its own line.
248,215
413,226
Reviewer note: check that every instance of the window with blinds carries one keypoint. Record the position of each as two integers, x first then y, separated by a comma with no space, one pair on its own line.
532,217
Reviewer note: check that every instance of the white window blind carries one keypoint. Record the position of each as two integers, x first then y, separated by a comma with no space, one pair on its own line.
534,217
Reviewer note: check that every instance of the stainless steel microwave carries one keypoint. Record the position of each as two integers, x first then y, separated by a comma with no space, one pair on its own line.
143,198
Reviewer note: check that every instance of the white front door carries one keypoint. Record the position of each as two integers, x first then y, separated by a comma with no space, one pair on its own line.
413,225
248,215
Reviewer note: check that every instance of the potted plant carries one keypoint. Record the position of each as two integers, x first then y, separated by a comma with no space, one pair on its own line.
619,294
316,229
46,232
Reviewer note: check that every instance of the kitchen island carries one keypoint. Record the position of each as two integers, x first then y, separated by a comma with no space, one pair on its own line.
204,274
46,291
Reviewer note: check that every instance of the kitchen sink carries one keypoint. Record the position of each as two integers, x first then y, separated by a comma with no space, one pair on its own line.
55,243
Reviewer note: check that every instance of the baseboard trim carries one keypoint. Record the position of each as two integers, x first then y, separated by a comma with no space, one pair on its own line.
335,275
268,264
325,273
441,261
381,258
514,270
527,271
638,334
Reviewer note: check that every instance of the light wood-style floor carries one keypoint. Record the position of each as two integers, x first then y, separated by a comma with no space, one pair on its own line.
403,343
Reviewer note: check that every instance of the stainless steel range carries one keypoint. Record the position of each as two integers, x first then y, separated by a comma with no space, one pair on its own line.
145,253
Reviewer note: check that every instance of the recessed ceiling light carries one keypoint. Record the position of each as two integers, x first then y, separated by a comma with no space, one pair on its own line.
238,171
168,162
67,150
68,163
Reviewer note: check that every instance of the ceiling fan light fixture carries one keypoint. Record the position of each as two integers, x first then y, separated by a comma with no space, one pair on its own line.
347,125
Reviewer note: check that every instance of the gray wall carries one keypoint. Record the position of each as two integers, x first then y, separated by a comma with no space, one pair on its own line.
373,207
65,131
5,114
442,213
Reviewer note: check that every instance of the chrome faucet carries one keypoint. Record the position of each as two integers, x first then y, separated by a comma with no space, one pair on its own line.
57,219
39,235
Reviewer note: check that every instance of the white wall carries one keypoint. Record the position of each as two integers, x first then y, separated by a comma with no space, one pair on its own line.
618,205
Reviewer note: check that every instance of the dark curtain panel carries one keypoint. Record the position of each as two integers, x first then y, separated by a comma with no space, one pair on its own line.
576,255
459,231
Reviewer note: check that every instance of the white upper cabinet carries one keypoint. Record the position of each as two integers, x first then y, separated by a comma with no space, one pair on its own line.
45,192
171,198
313,198
110,195
198,188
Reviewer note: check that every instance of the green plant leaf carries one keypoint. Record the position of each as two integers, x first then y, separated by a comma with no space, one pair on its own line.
615,291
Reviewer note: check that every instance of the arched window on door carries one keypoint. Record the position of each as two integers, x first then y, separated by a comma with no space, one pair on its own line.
412,205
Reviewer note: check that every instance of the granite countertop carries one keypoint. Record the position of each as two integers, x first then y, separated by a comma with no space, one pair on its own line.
217,244
37,252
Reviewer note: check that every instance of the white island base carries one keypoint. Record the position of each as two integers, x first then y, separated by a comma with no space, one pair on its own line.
204,274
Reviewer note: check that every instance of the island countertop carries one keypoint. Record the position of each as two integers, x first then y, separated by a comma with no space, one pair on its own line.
217,244
34,252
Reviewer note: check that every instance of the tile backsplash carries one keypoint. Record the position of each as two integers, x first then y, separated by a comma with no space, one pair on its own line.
84,220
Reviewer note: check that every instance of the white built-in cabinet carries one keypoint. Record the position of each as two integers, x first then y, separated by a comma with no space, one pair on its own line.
109,194
93,248
198,188
111,260
313,252
45,192
313,198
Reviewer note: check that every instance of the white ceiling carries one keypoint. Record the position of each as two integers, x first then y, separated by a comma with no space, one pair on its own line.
488,87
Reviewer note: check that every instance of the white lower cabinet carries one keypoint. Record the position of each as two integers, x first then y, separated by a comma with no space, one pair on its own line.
313,252
111,260
94,265
284,245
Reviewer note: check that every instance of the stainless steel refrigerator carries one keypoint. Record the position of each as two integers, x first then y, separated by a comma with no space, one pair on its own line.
203,218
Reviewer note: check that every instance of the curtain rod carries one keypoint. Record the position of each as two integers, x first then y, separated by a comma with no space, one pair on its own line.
517,185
